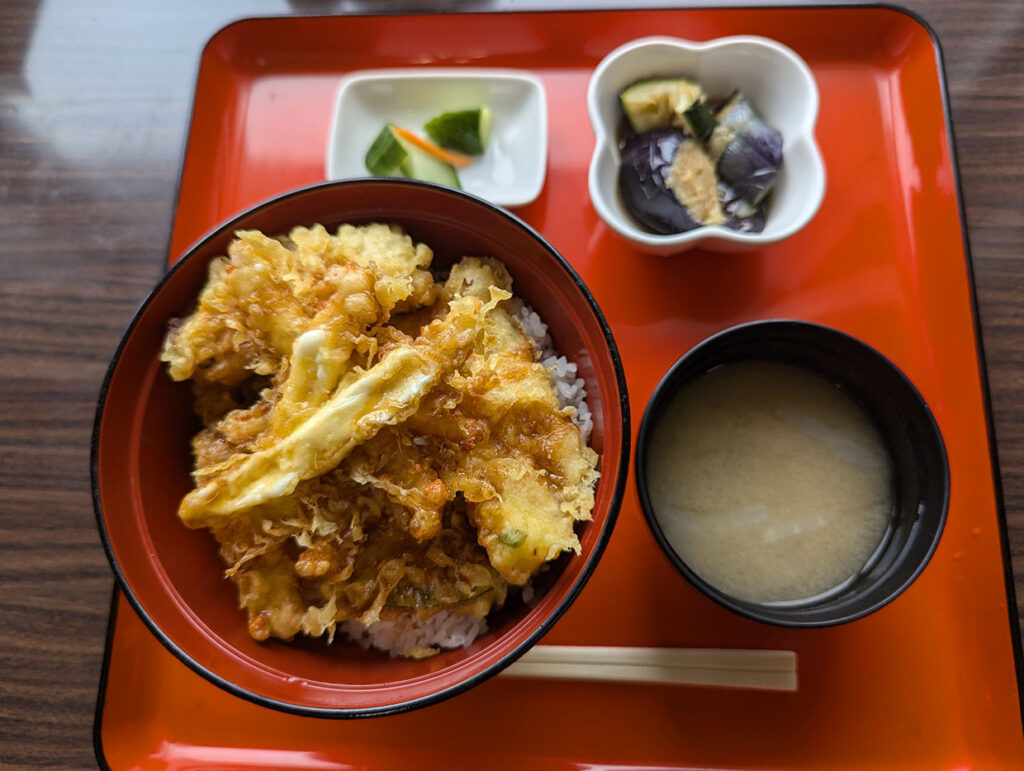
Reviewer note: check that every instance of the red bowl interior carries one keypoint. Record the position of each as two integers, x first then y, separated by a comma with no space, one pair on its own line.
141,462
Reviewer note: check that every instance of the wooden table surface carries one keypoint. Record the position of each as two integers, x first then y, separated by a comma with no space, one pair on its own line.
94,102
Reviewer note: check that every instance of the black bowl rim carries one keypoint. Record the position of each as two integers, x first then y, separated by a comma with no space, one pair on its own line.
492,669
750,610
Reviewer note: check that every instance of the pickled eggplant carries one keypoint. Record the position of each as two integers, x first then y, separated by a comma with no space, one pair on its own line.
747,150
667,182
685,164
740,214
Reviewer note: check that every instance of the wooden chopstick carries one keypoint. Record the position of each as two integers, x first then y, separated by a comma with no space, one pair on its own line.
725,668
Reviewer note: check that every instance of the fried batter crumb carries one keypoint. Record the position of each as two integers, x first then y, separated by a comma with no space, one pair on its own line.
377,443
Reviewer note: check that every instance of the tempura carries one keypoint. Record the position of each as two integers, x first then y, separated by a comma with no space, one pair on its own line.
378,445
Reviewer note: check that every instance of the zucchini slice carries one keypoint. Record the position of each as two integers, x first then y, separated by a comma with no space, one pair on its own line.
699,120
658,102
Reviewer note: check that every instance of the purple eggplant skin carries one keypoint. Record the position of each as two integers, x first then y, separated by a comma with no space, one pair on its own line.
644,181
741,215
751,159
753,223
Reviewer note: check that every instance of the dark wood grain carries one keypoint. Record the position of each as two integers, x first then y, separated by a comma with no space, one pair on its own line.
94,100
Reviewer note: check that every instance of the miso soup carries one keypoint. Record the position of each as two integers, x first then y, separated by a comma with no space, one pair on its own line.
770,482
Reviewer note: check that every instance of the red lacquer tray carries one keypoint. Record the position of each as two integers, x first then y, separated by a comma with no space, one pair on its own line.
929,681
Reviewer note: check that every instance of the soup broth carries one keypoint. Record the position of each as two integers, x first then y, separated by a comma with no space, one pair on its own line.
769,481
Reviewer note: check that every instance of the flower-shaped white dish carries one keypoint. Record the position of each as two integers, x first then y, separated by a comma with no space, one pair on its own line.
781,89
512,168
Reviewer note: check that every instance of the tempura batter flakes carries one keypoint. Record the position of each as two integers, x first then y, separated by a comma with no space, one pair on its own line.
376,445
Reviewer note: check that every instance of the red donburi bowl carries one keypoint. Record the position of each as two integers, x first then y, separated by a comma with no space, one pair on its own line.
141,461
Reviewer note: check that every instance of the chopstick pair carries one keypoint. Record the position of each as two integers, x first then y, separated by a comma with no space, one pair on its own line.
725,668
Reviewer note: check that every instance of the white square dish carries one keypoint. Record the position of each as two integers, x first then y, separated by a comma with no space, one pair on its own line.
512,168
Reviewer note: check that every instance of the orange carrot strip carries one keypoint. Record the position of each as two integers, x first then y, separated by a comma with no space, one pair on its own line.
455,159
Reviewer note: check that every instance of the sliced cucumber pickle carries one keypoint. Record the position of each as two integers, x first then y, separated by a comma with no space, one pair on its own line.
392,156
466,131
419,164
385,154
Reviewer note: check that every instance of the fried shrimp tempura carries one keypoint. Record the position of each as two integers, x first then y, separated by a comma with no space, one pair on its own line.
375,444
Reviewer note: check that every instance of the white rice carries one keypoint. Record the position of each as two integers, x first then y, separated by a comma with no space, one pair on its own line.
570,389
407,634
